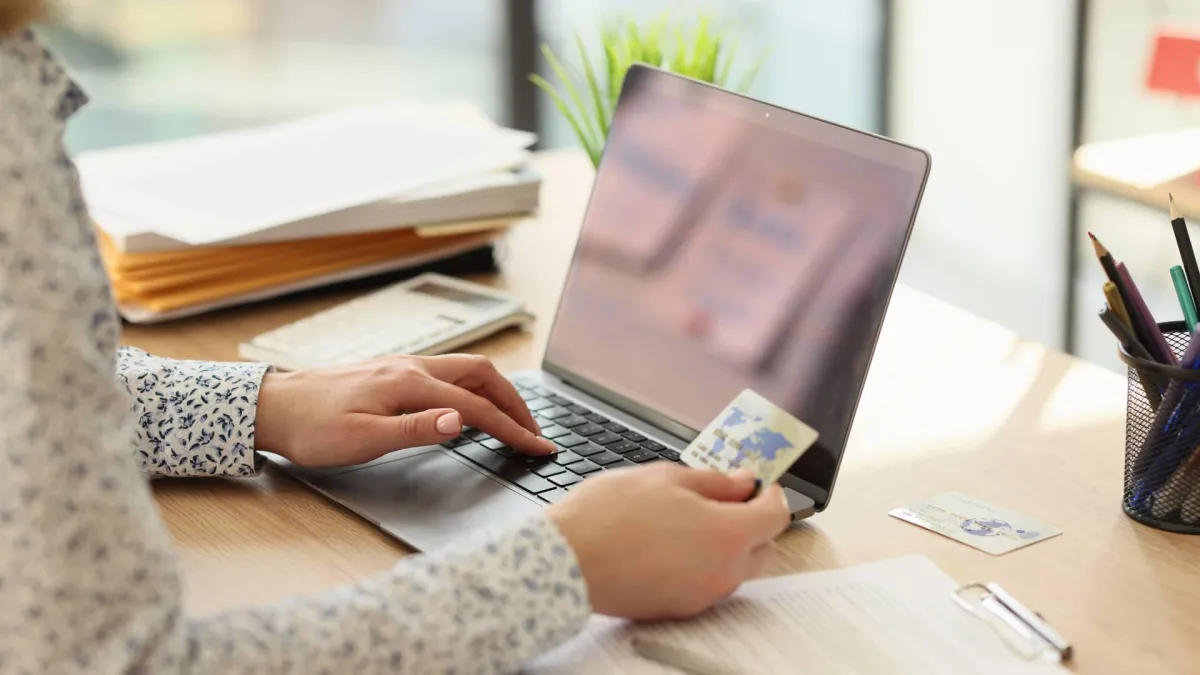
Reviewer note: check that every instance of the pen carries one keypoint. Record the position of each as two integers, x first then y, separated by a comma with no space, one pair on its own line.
1162,417
1186,253
1186,301
682,659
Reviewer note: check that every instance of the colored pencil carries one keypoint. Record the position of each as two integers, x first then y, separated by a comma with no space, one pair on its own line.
1186,301
1186,253
1113,296
1143,321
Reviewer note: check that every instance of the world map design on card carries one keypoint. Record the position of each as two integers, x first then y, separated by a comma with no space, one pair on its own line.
751,433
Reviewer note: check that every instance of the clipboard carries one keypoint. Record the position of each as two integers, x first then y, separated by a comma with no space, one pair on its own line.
1028,634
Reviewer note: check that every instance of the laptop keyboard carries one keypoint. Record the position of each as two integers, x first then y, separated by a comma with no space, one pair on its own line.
588,444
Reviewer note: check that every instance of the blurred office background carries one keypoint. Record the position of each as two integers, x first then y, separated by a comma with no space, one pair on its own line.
999,91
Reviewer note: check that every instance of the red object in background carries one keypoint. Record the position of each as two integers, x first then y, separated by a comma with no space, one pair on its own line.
1175,68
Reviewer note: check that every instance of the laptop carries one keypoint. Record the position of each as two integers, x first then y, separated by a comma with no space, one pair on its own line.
728,244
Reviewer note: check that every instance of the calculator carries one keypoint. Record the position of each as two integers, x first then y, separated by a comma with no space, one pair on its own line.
428,314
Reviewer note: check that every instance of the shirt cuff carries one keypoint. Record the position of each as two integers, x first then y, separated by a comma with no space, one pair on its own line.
194,418
518,590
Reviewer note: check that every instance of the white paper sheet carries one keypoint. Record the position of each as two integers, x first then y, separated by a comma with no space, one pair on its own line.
894,616
208,189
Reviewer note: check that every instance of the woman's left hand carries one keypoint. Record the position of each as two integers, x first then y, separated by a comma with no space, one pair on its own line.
346,416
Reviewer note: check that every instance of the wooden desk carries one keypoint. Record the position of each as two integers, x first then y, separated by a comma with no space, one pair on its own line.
953,403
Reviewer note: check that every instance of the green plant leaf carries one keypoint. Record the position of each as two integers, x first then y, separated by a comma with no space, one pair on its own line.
598,99
590,145
582,111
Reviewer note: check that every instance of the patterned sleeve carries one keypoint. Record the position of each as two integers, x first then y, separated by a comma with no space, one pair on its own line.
194,418
88,581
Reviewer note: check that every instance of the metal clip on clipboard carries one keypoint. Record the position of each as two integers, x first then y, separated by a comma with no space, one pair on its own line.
1036,640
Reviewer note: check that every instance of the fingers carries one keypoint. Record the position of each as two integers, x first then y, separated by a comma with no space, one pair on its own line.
716,485
763,517
759,559
482,414
477,374
377,435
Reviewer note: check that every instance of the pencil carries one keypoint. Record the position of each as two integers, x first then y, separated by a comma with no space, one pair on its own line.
1186,301
1126,339
1107,262
1113,296
1186,253
1114,277
1144,325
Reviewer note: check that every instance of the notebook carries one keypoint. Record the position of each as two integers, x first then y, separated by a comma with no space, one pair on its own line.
893,616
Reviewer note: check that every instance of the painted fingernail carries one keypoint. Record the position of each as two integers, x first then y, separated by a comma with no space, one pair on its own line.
450,423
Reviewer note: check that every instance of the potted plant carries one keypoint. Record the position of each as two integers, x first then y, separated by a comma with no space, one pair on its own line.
696,49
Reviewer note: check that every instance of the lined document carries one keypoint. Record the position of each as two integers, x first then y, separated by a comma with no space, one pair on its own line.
894,616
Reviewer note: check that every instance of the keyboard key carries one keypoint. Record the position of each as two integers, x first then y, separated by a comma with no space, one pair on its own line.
566,458
606,458
570,440
548,469
634,436
531,482
540,391
615,428
504,451
641,455
596,419
605,438
623,464
583,468
543,423
553,413
555,431
589,429
623,446
669,454
559,400
527,395
588,449
456,442
653,446
570,421
565,479
555,495
578,409
483,457
539,404
476,435
492,444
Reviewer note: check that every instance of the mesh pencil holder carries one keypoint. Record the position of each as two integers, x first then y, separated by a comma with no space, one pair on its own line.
1162,435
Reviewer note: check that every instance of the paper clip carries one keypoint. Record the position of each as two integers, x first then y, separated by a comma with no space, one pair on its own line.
1038,640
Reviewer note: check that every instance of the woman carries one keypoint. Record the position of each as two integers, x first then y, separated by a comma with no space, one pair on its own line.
87,579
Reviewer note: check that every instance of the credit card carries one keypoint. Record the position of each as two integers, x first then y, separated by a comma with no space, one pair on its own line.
751,433
976,523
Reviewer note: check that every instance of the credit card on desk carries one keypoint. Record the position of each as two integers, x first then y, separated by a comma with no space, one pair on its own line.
751,433
976,523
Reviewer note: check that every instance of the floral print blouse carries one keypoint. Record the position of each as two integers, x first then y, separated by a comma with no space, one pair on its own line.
88,582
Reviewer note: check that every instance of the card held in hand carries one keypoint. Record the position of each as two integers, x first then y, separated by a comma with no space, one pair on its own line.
751,433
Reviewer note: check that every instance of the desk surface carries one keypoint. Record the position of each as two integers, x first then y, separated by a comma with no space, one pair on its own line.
1031,429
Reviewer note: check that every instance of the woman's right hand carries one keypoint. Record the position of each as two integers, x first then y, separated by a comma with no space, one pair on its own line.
664,541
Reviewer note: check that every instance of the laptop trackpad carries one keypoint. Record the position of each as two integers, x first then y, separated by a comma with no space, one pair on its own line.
426,499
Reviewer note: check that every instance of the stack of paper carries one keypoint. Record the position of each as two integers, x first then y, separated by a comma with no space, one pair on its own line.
194,225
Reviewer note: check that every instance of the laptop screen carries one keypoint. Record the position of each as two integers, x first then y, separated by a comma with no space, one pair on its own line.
730,244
